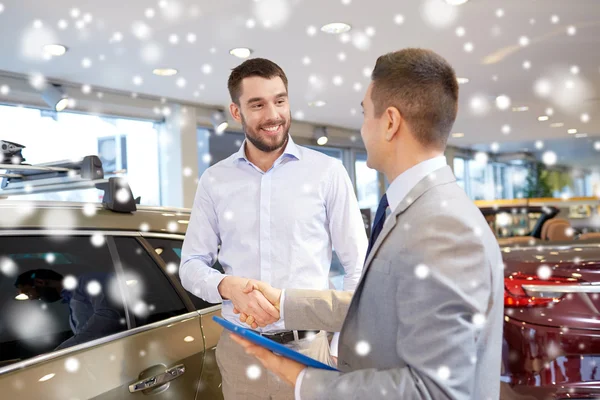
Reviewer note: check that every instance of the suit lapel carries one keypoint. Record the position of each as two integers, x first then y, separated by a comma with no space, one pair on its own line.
439,177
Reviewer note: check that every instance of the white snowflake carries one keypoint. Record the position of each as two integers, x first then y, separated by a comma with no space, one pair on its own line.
94,288
172,268
421,271
144,227
479,320
50,258
69,282
363,348
97,239
8,267
172,226
361,41
544,272
4,90
443,373
72,365
399,19
253,372
549,158
438,14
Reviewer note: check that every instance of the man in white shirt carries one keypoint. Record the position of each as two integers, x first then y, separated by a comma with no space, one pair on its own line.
276,209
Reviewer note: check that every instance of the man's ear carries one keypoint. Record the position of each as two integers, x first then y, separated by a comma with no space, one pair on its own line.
235,112
393,121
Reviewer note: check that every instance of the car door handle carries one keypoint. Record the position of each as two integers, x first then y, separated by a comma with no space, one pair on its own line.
158,380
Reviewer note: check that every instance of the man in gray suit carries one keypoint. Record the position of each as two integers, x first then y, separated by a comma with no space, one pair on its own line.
425,321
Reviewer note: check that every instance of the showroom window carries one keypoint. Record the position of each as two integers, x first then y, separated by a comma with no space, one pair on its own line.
126,147
367,183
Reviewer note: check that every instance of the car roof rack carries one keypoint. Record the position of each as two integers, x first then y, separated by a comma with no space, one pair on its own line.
22,179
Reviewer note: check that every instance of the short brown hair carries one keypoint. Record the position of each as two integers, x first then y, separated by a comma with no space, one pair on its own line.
423,87
253,67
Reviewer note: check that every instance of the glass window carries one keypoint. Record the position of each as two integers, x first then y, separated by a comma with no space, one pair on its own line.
459,172
330,151
55,293
151,295
367,184
481,181
170,251
126,147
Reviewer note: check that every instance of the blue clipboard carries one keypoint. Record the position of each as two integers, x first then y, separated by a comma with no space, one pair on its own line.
269,344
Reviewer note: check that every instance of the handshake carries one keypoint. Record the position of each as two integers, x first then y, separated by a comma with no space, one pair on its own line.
256,302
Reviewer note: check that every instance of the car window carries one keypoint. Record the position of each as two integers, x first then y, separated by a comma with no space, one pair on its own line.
151,295
170,251
55,292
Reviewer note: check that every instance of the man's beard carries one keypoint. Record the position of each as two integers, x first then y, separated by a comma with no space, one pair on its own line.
259,141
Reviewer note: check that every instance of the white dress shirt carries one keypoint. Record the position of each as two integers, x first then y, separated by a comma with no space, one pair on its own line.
277,226
396,192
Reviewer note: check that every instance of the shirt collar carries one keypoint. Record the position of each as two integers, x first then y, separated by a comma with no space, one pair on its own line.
407,180
291,149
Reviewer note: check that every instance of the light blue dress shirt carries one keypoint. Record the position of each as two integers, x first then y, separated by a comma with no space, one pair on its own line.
277,226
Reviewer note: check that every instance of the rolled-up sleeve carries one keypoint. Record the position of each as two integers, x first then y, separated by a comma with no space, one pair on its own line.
200,247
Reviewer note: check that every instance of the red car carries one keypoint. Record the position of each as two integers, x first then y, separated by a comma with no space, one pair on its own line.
551,346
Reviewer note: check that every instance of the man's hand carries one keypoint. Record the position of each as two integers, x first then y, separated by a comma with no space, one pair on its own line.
272,294
250,302
288,370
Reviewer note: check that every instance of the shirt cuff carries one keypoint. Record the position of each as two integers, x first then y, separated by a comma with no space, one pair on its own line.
299,383
281,300
212,284
333,346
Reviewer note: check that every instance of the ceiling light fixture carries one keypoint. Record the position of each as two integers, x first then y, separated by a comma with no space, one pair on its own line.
581,135
462,80
557,125
165,71
456,2
219,122
22,296
543,118
55,98
458,135
520,109
572,131
55,50
320,133
240,52
318,103
336,28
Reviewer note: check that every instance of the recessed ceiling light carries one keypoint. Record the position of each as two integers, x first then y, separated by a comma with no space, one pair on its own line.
581,135
557,125
318,103
543,118
165,71
456,2
520,109
458,135
55,50
22,296
335,28
462,80
240,52
572,131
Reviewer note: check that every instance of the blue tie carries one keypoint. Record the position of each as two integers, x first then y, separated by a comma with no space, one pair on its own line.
379,221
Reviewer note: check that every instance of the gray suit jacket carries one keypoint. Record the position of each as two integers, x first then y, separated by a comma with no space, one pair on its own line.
426,319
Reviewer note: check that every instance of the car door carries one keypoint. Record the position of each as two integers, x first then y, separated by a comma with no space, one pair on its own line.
143,332
168,247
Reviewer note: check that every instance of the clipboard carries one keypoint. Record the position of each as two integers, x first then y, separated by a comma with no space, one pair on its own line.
269,344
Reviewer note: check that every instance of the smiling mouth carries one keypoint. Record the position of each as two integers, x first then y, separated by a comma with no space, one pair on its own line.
272,129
